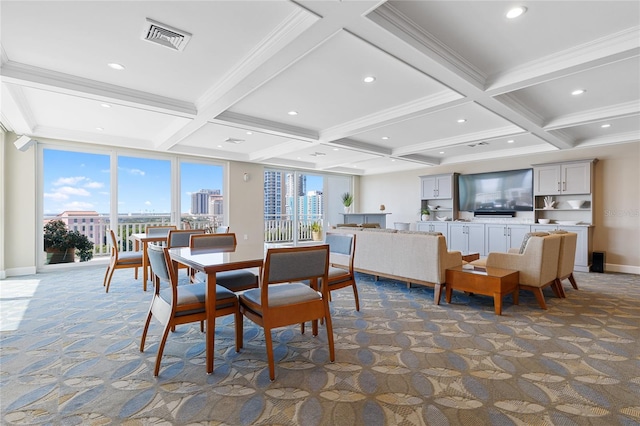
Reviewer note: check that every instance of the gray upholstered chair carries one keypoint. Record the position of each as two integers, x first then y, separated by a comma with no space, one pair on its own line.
160,230
181,304
342,249
283,299
120,261
222,230
236,280
181,238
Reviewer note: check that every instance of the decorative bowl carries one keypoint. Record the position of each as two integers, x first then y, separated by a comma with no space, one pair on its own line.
575,204
442,219
544,221
432,207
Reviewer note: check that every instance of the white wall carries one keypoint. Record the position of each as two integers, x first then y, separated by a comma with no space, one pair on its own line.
616,205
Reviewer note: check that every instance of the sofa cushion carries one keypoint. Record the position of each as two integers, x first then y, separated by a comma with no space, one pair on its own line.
528,235
379,230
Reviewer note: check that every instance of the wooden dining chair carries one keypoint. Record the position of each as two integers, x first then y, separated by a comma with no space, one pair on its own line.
181,304
283,299
222,230
180,238
342,249
129,259
159,230
236,280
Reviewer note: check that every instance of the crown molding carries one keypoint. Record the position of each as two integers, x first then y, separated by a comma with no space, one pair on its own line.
615,47
442,100
394,21
53,81
598,114
265,126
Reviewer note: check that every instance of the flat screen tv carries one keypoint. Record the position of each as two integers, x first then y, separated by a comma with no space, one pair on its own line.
502,192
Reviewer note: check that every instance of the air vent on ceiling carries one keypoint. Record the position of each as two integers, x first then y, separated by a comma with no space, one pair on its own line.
234,140
165,35
478,144
317,154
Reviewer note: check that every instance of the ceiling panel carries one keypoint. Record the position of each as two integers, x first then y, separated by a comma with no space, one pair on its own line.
326,88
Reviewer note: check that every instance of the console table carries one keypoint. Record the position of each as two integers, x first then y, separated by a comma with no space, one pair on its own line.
379,218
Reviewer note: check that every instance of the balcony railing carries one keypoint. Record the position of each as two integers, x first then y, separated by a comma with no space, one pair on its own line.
276,229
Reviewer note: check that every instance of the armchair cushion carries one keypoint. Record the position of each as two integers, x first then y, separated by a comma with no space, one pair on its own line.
528,235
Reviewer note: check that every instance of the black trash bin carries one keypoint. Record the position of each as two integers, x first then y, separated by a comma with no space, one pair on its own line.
598,261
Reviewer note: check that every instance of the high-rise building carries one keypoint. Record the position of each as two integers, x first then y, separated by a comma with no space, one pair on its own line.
274,195
201,200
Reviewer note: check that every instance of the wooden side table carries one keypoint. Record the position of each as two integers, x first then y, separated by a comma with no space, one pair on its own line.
494,282
470,257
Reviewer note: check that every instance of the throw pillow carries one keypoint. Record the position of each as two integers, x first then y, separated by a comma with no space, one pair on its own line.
525,240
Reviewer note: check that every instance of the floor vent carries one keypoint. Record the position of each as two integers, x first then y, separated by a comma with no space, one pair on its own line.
165,35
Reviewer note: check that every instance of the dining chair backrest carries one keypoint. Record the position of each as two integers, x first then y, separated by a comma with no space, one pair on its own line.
159,231
296,264
203,241
158,262
181,237
222,230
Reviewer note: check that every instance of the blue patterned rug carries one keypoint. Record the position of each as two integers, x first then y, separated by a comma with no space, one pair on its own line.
69,356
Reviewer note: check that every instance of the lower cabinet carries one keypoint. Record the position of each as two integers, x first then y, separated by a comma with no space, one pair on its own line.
433,227
467,237
501,237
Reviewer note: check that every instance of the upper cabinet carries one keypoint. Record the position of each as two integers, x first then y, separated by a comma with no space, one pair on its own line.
563,178
437,187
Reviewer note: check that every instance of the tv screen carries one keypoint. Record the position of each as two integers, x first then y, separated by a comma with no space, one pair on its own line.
506,191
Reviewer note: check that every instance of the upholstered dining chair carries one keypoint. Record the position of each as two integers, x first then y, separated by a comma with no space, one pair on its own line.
159,230
180,238
222,230
181,304
342,249
236,280
130,259
283,299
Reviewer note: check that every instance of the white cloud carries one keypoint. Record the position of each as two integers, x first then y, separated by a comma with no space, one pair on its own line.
94,185
74,180
56,196
136,172
148,203
68,190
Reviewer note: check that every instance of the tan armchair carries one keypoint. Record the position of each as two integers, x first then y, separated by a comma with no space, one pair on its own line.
538,265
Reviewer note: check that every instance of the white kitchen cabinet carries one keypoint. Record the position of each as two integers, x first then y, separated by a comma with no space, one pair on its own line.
563,178
500,237
437,187
467,237
433,227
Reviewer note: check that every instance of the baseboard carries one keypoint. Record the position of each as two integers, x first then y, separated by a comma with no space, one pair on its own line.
17,272
626,269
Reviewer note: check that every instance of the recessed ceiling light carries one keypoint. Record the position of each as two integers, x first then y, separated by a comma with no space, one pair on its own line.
578,92
336,149
293,113
510,141
99,129
605,126
103,105
249,133
219,146
441,152
115,66
393,160
384,138
516,11
369,79
462,120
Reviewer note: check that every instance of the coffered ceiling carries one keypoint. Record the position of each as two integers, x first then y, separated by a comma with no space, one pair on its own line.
453,81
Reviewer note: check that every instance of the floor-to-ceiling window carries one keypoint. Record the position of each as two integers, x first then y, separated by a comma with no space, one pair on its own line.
293,201
94,191
202,197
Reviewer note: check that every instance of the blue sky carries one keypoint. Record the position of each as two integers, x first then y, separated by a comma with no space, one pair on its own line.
81,181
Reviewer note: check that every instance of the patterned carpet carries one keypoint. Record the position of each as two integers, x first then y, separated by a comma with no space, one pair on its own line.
69,356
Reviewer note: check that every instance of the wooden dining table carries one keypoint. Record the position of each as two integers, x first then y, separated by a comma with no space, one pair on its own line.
145,239
211,261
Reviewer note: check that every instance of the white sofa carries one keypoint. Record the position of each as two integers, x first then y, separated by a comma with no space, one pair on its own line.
411,256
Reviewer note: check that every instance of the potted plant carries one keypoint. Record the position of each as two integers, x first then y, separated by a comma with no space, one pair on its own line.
347,200
63,244
316,231
425,214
